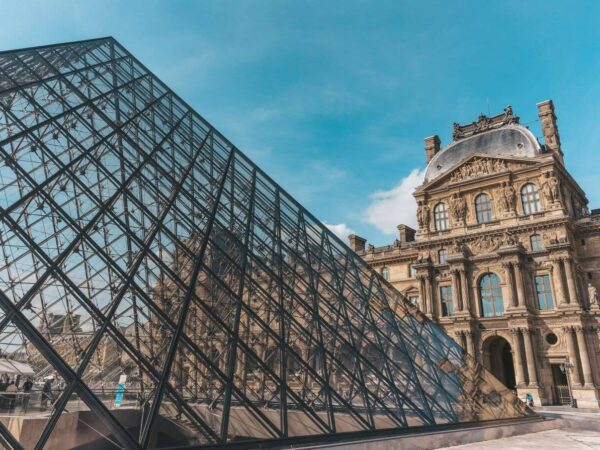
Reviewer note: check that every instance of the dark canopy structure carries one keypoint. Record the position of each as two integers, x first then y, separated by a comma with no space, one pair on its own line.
166,292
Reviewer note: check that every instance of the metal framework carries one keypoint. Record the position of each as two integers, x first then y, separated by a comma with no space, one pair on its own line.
138,242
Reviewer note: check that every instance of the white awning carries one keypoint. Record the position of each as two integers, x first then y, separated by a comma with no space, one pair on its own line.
15,367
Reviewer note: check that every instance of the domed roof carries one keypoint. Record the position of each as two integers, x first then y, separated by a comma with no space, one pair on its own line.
510,140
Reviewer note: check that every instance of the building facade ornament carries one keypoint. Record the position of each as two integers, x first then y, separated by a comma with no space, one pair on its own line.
478,167
423,216
458,207
551,188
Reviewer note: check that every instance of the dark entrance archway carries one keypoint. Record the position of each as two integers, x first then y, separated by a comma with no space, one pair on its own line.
497,358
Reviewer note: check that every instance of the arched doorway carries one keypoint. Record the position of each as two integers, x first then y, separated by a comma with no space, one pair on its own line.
497,358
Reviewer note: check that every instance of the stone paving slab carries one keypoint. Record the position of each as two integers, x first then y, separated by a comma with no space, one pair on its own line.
563,439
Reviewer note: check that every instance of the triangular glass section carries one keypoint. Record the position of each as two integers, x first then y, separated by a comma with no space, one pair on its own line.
177,294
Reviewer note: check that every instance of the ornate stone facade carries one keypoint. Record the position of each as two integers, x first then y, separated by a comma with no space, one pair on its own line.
507,257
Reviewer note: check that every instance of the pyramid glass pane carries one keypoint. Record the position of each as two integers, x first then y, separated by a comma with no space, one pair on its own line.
160,289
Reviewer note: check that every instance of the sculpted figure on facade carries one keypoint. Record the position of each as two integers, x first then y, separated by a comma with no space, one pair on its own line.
507,197
551,188
458,207
423,215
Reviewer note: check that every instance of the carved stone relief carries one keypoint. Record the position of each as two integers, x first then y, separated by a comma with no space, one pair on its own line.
458,207
477,168
551,188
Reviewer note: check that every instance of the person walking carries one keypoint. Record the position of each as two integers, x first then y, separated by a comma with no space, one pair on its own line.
27,393
46,394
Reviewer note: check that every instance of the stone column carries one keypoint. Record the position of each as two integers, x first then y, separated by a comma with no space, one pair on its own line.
519,284
456,295
530,357
510,282
464,290
558,282
518,358
588,378
570,281
470,345
573,357
422,293
430,297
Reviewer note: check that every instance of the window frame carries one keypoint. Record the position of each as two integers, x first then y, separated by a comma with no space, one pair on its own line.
484,215
446,300
490,295
441,217
545,296
540,243
531,201
444,252
385,273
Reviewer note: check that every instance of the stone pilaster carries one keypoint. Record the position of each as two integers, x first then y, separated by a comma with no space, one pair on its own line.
464,286
518,357
570,281
530,357
470,343
520,288
573,356
456,297
588,378
558,282
512,299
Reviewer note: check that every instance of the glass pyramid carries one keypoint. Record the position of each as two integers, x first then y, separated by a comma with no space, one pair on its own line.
159,289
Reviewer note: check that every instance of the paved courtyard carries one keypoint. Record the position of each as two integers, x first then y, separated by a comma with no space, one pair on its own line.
545,440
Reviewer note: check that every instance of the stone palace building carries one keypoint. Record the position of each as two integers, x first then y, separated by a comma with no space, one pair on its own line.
507,257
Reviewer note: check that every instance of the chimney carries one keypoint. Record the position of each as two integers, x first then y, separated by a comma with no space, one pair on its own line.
432,146
406,233
357,243
549,128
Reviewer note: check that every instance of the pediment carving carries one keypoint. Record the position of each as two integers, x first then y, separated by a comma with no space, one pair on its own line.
480,166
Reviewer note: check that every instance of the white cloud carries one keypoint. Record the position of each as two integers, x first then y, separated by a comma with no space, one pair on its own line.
390,208
341,230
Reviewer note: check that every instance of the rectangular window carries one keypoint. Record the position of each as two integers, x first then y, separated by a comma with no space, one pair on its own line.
536,243
412,272
544,292
442,255
446,299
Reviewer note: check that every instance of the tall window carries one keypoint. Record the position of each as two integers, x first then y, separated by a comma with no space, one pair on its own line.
530,198
536,243
490,294
544,292
385,273
446,300
483,208
440,215
442,255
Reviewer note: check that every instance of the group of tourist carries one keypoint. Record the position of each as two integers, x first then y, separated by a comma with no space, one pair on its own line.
13,392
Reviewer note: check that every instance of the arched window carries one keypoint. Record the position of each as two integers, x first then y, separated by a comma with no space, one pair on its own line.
440,216
530,198
490,294
536,243
483,208
385,273
442,255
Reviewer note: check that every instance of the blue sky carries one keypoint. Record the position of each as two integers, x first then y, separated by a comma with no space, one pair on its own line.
334,98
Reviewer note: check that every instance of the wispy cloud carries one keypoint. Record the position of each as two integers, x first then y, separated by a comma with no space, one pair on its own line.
390,208
341,230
